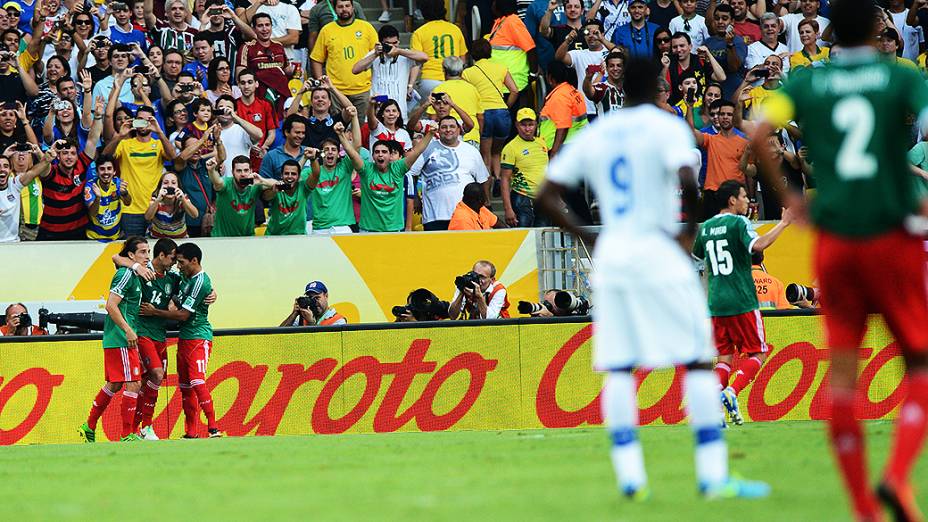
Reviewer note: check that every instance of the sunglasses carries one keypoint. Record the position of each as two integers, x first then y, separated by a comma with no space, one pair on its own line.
663,40
13,12
83,22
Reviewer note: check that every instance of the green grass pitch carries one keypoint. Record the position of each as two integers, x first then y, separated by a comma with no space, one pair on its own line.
510,475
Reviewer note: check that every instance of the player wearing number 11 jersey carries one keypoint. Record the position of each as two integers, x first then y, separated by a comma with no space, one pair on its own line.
651,310
853,116
726,241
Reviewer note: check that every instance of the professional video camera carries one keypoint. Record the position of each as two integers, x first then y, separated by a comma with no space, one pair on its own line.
72,323
797,293
575,304
467,280
423,306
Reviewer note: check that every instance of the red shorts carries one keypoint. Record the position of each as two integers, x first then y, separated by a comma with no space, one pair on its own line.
154,354
192,358
883,274
742,333
121,364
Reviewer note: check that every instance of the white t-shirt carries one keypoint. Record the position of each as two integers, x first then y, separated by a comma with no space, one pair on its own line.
758,52
390,78
446,171
283,17
581,59
634,174
382,133
10,200
791,28
237,142
698,31
495,305
911,36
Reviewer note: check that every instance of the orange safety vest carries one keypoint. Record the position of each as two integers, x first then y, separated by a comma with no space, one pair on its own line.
332,320
503,312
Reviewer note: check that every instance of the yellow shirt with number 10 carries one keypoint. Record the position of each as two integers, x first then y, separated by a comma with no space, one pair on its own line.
340,47
438,39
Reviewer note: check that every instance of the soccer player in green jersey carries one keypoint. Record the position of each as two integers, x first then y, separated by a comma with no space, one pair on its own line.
120,344
853,113
195,340
726,241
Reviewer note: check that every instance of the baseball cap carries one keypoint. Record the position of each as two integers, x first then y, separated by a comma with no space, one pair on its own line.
633,2
13,5
525,114
316,287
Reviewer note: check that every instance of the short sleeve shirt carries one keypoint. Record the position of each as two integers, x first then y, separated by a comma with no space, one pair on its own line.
235,213
339,47
382,200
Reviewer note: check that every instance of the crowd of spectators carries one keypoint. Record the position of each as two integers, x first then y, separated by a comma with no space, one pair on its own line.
195,118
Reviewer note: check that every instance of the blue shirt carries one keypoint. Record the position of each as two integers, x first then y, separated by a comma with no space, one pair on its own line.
25,18
195,68
720,51
189,177
639,42
533,16
105,86
117,35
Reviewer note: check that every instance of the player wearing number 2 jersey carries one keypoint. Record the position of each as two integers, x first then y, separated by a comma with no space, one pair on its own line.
726,241
853,116
650,311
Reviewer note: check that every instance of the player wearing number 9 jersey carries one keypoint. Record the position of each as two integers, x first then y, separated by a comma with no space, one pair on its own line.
726,241
650,308
853,116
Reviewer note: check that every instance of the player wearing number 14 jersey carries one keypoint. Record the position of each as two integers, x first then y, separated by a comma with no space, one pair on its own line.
726,241
853,116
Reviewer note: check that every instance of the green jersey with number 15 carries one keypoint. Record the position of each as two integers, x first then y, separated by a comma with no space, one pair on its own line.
853,115
725,242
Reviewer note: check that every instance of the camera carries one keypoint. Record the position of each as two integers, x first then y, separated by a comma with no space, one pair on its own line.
215,11
762,72
576,305
386,48
139,123
530,308
61,105
467,280
141,69
796,293
283,185
314,83
691,94
423,306
305,302
6,56
245,182
186,87
72,323
25,320
22,147
170,190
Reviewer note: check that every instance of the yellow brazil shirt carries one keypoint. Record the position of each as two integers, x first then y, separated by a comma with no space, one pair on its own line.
466,97
140,166
802,58
438,39
489,79
340,47
528,161
759,96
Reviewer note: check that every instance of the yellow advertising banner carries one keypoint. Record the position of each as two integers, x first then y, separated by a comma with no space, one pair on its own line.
509,376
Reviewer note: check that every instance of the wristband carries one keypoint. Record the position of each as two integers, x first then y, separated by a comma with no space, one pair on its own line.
135,267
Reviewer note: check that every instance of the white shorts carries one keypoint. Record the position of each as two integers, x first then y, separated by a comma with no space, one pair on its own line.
654,325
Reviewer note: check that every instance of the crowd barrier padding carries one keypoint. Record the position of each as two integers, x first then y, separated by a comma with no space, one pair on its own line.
515,374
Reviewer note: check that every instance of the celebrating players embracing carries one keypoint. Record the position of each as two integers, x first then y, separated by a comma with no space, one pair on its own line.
853,115
120,344
727,242
651,309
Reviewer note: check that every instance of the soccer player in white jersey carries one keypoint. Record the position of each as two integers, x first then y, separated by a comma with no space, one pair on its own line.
650,307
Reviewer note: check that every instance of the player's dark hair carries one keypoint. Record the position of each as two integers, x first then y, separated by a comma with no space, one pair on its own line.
331,141
64,79
6,313
131,245
729,189
594,21
290,163
854,21
449,117
474,196
201,37
190,252
186,74
258,16
290,120
387,31
198,104
164,246
146,109
225,97
681,34
246,72
502,8
717,85
640,81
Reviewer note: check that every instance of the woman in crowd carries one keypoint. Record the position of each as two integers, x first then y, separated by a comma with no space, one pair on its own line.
218,80
169,209
386,123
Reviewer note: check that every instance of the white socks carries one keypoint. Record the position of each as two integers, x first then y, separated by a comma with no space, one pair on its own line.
620,412
705,412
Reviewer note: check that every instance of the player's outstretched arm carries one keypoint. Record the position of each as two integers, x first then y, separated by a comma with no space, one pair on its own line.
764,241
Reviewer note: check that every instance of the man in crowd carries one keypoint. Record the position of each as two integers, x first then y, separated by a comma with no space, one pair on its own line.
123,32
323,116
173,33
287,201
727,49
323,14
331,188
604,90
564,111
236,197
294,129
119,62
702,64
471,212
314,309
723,156
285,24
173,65
12,185
394,70
446,167
268,62
768,43
691,23
202,53
338,47
522,168
637,35
238,135
584,60
464,94
744,26
17,321
224,30
258,112
485,299
104,198
141,161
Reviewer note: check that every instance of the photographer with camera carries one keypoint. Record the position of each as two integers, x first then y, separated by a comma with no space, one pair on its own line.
312,308
478,295
17,321
556,303
236,197
394,70
421,305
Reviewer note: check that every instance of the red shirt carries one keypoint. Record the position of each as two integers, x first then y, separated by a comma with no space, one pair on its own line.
268,64
747,30
62,197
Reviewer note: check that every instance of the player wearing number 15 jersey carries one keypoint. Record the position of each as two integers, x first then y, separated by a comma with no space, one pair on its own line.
853,116
650,310
726,241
